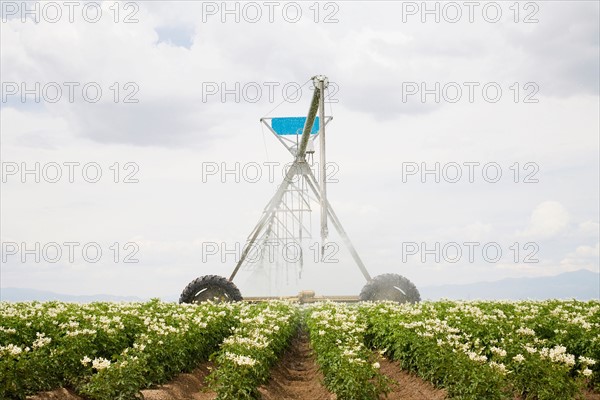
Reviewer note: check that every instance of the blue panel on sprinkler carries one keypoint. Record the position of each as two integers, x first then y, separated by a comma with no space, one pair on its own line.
292,125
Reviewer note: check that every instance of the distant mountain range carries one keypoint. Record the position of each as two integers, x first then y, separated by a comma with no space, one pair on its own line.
580,285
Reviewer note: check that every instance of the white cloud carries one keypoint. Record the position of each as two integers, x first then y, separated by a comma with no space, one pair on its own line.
584,257
549,218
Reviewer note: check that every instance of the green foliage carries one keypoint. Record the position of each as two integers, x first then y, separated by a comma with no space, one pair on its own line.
245,358
475,350
350,369
105,351
492,350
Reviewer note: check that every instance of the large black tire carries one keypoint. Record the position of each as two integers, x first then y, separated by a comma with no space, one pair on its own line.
210,287
391,287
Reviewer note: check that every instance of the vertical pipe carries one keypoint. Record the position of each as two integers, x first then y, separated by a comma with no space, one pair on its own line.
324,230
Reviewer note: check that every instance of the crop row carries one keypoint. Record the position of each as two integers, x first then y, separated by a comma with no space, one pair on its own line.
337,335
104,350
245,357
493,350
109,351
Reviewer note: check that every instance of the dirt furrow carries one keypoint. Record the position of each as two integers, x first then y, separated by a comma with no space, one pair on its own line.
407,386
183,387
57,394
186,386
296,376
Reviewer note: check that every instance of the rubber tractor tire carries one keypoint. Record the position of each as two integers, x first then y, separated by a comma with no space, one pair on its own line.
392,287
210,287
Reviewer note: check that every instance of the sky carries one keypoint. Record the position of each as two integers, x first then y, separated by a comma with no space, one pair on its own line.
464,145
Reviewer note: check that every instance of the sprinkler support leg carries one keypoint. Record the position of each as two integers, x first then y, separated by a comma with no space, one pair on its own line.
312,182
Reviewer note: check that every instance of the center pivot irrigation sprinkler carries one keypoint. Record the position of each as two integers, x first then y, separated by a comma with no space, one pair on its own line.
282,217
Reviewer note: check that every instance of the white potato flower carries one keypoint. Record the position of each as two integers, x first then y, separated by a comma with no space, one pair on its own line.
519,358
498,367
587,361
100,363
41,341
241,360
526,331
498,351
